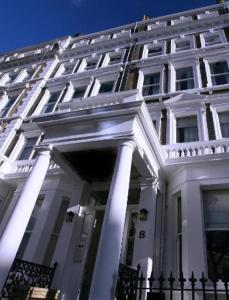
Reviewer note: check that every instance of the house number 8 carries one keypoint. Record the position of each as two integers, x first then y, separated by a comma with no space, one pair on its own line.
142,234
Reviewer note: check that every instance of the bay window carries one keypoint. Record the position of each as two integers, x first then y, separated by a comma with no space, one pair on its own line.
216,219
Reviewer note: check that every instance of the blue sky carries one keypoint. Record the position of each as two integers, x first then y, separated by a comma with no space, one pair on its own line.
27,22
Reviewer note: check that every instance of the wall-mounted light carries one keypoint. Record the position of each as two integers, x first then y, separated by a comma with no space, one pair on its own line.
69,216
143,214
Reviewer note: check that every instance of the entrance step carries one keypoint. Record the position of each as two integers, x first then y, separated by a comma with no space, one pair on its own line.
34,293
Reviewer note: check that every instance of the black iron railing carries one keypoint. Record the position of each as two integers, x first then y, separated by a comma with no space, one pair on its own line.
27,274
127,282
169,287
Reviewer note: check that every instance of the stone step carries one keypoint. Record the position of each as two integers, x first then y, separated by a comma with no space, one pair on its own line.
34,293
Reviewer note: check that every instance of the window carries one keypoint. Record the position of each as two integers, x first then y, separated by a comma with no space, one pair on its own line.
216,219
151,84
131,237
51,103
91,64
106,87
154,50
10,102
30,226
211,39
28,148
13,76
69,68
184,79
115,58
182,45
79,92
187,130
219,73
56,231
224,123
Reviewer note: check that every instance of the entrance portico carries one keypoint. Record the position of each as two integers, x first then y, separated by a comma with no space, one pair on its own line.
129,137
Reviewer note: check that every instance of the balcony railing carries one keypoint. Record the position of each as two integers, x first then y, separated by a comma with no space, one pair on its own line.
23,166
195,149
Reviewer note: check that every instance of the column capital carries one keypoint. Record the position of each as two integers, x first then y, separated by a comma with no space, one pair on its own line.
150,181
44,150
129,143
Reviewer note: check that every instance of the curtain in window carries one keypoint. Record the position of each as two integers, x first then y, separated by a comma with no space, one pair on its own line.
224,124
151,84
187,130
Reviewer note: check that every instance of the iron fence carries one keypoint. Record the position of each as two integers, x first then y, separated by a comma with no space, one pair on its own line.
137,287
27,274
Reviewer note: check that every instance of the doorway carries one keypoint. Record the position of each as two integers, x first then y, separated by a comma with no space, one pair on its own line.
91,255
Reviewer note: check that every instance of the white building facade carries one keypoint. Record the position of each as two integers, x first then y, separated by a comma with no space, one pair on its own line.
114,149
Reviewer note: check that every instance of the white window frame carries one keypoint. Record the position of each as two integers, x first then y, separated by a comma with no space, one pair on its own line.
99,80
186,111
178,65
83,64
216,109
148,71
155,44
107,57
219,32
189,38
212,60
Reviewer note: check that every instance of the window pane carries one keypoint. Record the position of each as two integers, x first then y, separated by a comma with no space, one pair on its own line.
49,106
184,79
79,92
151,84
28,148
220,73
224,123
184,73
187,130
106,87
213,39
154,51
183,45
216,218
218,254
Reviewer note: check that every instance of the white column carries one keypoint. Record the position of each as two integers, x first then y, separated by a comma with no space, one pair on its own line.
15,228
108,255
144,242
193,258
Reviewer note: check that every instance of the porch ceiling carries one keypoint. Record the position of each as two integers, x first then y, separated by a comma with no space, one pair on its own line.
95,164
